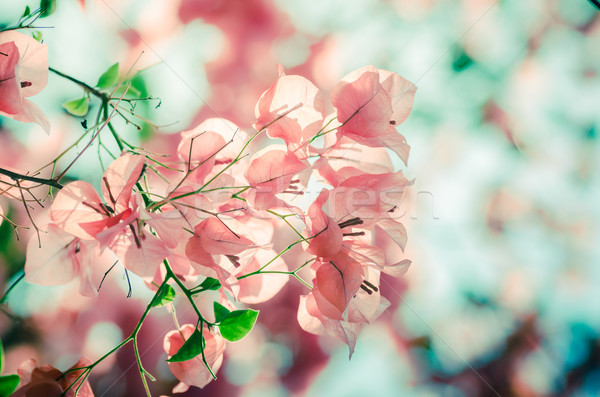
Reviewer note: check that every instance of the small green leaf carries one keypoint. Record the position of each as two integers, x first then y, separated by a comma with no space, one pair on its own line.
8,384
47,7
109,78
190,349
221,312
77,107
238,324
37,35
165,295
26,12
210,283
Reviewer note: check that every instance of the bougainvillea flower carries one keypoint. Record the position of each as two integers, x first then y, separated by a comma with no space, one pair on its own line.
199,149
337,281
262,287
194,372
47,381
217,238
370,103
363,308
213,237
346,159
119,224
270,173
60,257
23,73
369,197
326,233
293,109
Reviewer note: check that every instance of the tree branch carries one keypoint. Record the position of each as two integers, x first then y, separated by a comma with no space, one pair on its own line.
15,176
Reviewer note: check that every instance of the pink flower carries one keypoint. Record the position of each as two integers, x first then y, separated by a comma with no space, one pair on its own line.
63,257
118,225
363,308
371,103
295,108
213,237
47,381
23,73
194,372
271,173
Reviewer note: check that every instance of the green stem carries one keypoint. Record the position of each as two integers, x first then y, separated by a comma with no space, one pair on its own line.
12,286
80,83
132,337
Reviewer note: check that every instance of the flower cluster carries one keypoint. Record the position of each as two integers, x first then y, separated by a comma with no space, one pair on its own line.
215,222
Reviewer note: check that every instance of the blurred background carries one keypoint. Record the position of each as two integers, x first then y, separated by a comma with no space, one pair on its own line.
503,295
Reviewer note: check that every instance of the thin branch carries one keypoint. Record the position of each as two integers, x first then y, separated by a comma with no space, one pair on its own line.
16,176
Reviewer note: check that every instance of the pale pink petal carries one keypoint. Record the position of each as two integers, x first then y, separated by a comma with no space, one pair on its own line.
142,260
400,90
33,114
217,238
120,176
294,107
272,172
312,320
169,226
363,106
10,96
194,372
395,230
54,262
33,63
389,138
402,93
336,282
204,146
77,203
364,305
262,287
93,265
397,269
229,132
328,240
205,265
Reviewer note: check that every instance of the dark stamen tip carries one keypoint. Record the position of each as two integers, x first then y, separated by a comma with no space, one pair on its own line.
368,291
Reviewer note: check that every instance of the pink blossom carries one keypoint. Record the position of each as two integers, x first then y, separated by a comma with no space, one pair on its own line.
23,73
60,257
370,104
194,372
363,308
118,225
270,173
293,109
47,381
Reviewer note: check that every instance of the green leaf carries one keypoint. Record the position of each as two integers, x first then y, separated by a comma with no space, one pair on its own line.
26,12
210,283
8,384
221,312
37,35
238,324
47,7
190,349
109,78
77,107
165,295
